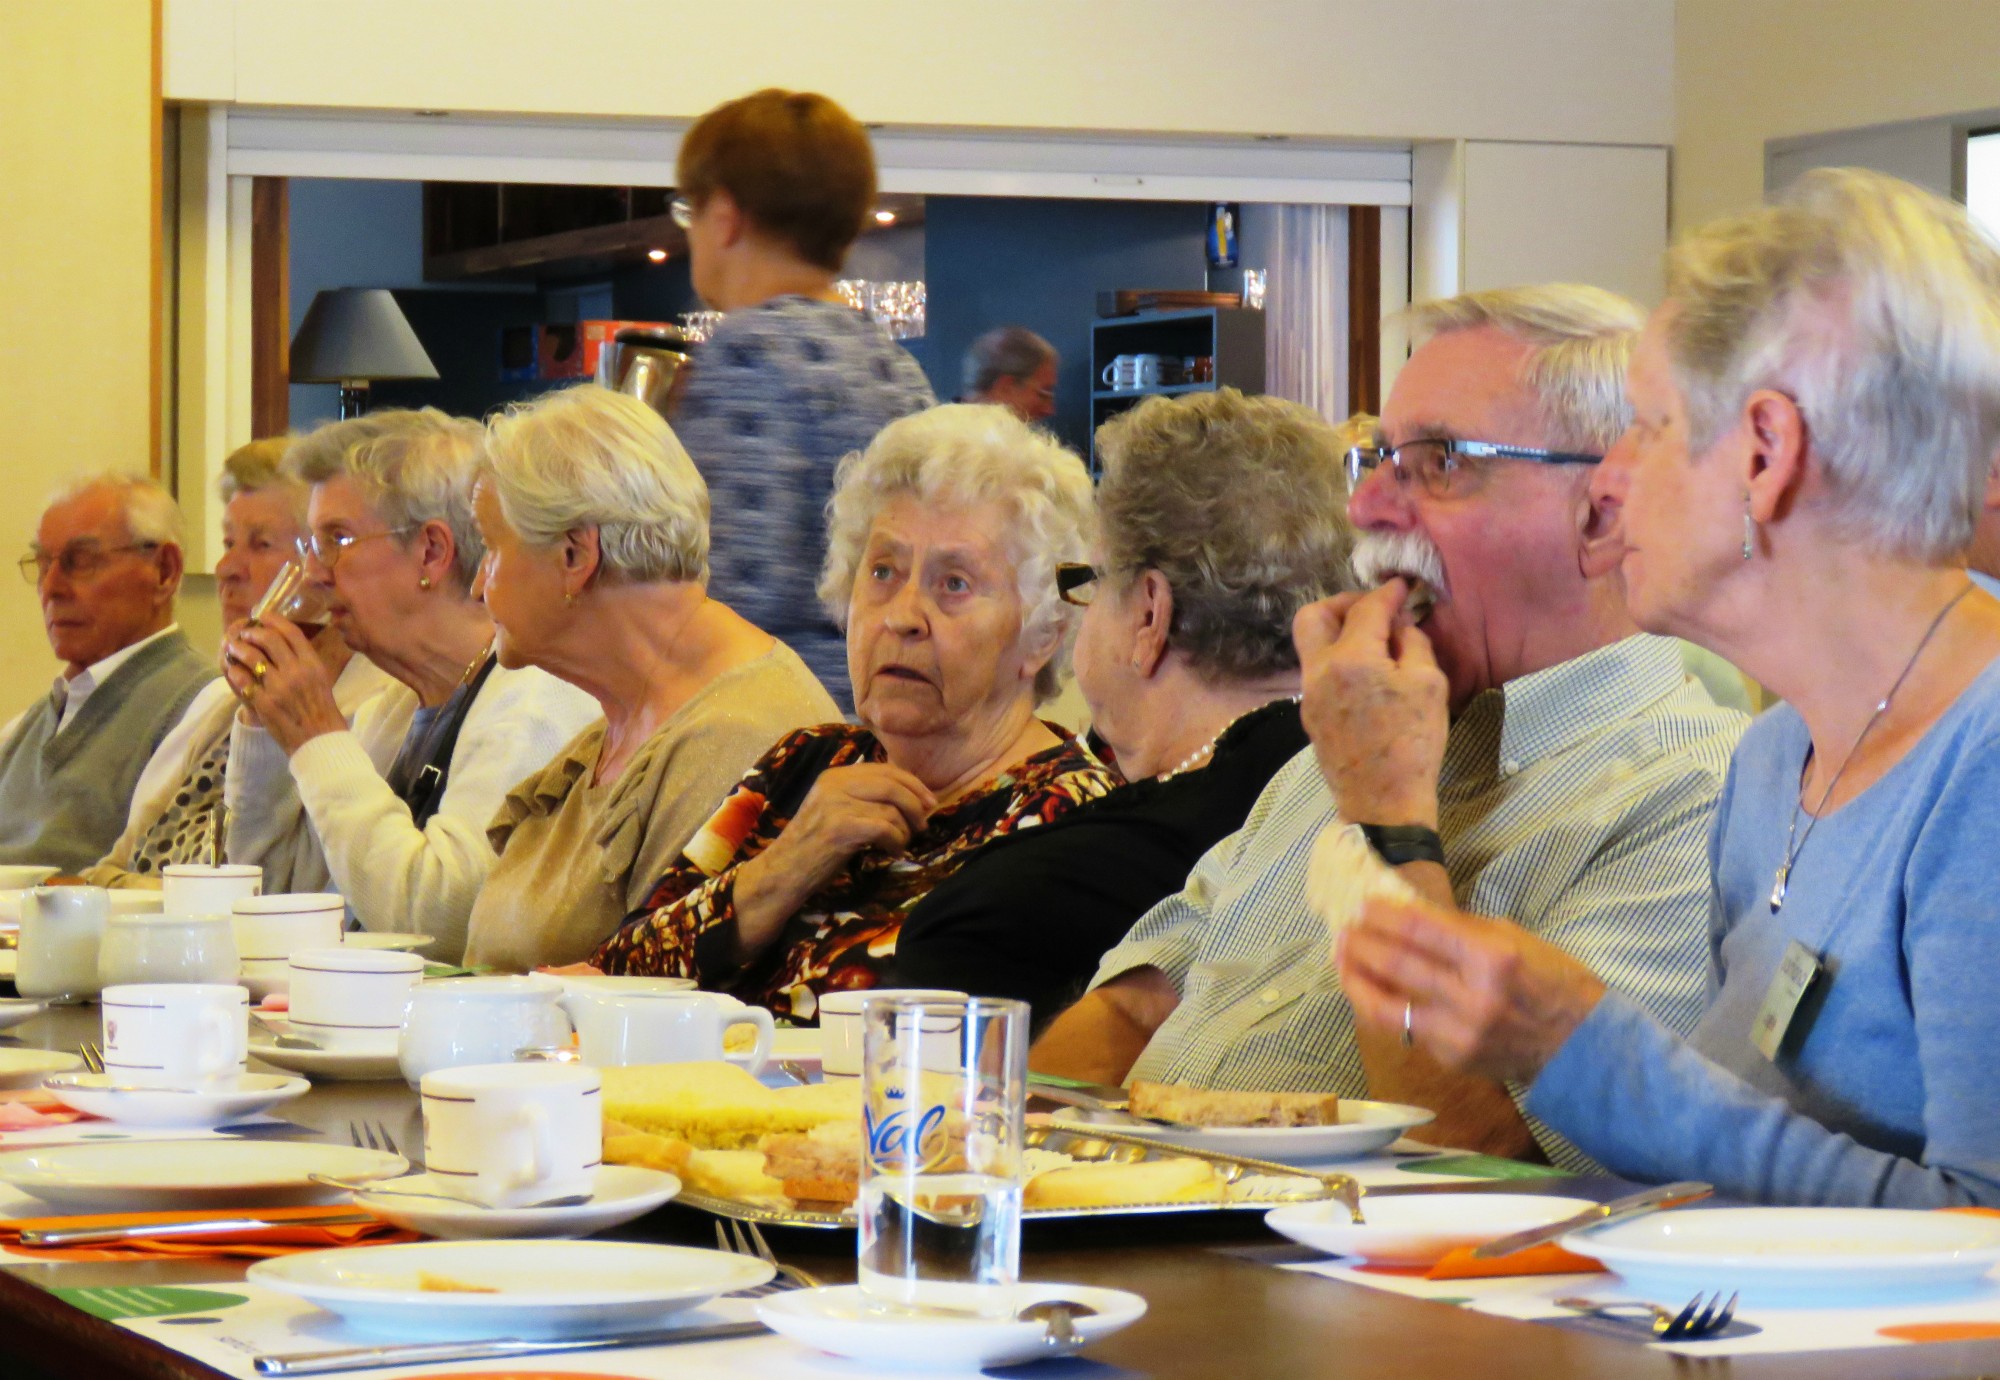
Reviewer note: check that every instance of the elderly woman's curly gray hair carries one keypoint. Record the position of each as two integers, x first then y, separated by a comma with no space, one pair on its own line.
955,456
589,457
1241,504
412,467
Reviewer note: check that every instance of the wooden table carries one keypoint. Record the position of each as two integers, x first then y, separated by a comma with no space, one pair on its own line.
1211,1314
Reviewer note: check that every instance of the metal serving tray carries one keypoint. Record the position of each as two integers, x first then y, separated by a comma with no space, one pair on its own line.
1087,1145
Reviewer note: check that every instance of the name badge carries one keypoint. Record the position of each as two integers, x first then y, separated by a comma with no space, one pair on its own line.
1797,972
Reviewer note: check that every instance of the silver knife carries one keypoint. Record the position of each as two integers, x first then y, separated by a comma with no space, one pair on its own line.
1617,1210
428,1353
94,1236
1094,1097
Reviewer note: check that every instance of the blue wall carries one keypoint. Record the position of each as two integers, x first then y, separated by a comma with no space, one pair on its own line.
995,261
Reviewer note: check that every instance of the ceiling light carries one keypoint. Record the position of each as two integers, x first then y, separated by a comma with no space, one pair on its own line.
658,256
885,217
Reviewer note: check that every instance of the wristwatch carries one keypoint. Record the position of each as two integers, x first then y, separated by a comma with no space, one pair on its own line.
1397,844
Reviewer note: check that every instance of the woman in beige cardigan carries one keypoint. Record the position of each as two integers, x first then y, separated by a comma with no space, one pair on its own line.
596,531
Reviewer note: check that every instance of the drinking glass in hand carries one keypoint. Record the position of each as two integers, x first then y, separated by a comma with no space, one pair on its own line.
943,1090
292,596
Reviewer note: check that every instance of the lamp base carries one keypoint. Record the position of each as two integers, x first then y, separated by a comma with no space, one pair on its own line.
353,399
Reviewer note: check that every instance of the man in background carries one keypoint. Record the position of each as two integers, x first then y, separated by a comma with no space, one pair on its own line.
106,563
1014,367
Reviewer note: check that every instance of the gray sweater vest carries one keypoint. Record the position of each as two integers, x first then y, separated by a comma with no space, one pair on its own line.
64,795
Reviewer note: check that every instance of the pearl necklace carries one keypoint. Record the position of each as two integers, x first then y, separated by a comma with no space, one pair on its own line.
1207,749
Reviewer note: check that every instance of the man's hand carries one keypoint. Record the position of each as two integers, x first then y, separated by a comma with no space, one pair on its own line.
281,680
1375,704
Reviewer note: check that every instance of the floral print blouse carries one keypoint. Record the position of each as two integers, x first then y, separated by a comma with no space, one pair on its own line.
844,937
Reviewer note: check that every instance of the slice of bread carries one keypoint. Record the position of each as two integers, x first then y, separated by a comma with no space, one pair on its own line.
734,1174
1208,1107
1113,1184
715,1105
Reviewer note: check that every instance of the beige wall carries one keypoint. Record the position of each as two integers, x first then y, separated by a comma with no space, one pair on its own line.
1395,69
77,144
1751,70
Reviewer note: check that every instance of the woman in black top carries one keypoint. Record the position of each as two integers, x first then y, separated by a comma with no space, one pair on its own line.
1221,516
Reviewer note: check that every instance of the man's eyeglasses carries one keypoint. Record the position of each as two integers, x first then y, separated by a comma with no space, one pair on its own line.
1076,583
77,562
328,548
1431,462
682,211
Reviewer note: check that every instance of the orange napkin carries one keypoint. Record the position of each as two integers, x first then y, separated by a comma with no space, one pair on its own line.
28,1109
302,1232
1536,1260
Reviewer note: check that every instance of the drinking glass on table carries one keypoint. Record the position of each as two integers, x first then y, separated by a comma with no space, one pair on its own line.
940,1195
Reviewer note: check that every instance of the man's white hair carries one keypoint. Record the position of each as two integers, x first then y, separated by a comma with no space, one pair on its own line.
954,456
589,457
1875,306
151,514
1581,339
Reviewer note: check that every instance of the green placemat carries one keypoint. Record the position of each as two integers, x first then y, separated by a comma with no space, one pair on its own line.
1483,1167
146,1301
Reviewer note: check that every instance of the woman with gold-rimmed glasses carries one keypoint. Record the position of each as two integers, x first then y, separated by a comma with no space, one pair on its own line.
392,812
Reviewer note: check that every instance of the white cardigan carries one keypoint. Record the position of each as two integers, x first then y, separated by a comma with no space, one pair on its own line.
327,820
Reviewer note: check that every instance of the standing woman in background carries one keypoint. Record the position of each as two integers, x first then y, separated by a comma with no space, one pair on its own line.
773,188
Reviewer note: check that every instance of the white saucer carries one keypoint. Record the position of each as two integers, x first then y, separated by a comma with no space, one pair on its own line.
620,1193
1364,1128
327,1065
1419,1228
846,1322
150,1175
246,1095
14,1010
372,939
26,1068
532,1289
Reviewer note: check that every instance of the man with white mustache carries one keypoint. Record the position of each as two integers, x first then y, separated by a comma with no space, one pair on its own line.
1492,717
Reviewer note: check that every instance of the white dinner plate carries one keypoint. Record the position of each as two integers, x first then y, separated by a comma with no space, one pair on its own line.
1364,1127
535,1288
1419,1228
373,939
327,1065
619,1193
14,1010
846,1322
246,1095
144,1176
1798,1257
26,1068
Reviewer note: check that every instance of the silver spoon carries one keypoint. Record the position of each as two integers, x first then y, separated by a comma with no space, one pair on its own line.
383,1186
284,1039
1060,1315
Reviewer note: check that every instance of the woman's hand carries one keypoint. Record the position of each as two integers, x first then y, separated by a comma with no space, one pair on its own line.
848,810
1483,995
280,679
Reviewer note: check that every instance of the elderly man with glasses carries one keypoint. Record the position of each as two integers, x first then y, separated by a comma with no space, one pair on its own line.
106,563
1491,717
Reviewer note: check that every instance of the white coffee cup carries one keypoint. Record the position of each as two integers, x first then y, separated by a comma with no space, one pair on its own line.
61,929
478,1020
840,1026
278,926
511,1134
208,889
166,948
352,999
648,1027
175,1035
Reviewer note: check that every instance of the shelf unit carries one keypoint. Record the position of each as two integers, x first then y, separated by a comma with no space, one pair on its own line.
1233,336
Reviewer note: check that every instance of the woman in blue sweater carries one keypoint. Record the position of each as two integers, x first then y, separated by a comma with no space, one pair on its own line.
1816,414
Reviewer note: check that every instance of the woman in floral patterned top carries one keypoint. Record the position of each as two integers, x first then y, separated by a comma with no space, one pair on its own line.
944,537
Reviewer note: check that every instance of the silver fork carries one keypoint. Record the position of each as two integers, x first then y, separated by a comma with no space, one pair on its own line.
1702,1316
743,1238
371,1135
93,1057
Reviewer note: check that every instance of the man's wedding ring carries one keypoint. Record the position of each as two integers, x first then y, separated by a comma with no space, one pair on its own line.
1409,1013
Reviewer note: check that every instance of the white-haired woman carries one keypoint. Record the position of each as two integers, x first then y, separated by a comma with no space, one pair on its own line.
177,808
1816,410
1220,516
596,530
943,540
392,813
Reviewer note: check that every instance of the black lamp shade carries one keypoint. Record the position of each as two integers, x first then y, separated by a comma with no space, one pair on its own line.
357,335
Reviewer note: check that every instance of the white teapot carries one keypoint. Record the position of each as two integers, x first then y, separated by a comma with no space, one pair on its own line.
655,1024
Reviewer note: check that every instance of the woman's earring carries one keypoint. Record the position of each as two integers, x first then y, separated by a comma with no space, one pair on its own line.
1749,530
569,600
424,581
